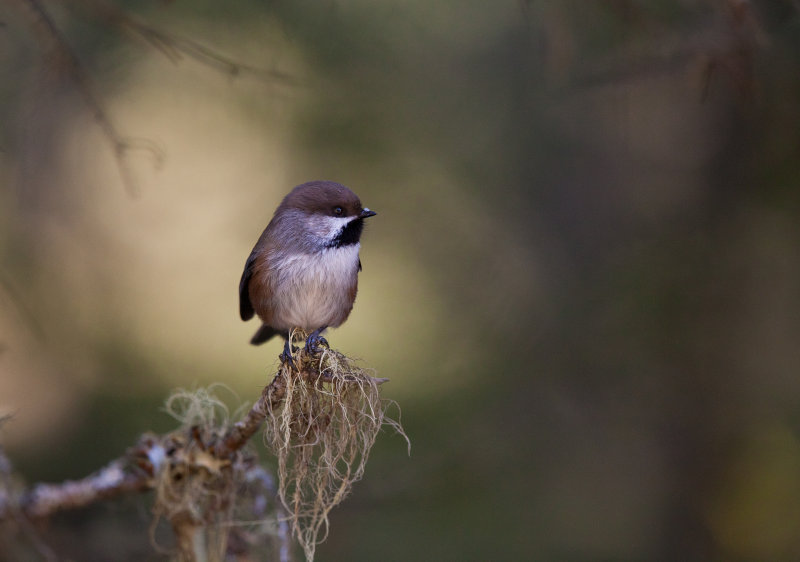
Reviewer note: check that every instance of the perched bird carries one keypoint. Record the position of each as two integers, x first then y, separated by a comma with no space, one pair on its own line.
303,271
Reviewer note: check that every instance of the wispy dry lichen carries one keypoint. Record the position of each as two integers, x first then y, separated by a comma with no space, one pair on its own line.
322,433
205,496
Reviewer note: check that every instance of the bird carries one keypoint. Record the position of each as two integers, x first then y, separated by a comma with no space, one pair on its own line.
303,270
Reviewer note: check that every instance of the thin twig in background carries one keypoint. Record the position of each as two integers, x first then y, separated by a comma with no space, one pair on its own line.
63,58
173,47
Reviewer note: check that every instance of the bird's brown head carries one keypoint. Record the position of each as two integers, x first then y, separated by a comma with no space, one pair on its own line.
329,210
325,198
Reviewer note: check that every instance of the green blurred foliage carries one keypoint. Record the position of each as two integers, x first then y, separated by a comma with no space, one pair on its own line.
583,281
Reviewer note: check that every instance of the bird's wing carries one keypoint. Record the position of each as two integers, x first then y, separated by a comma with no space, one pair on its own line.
245,306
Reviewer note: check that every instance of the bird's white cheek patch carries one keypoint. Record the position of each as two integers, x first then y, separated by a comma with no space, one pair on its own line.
329,227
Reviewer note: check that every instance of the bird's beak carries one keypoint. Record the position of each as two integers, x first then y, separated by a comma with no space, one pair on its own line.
366,213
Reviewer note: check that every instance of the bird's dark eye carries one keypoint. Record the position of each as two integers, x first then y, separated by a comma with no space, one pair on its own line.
338,211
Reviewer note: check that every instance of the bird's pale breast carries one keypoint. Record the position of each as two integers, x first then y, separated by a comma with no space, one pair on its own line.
310,290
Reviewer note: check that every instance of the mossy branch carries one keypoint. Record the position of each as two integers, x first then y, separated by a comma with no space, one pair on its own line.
135,471
323,417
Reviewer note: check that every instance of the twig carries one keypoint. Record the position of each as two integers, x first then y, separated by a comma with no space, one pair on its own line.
59,52
243,430
61,55
172,46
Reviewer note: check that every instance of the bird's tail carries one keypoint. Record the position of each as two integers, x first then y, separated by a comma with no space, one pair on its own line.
263,334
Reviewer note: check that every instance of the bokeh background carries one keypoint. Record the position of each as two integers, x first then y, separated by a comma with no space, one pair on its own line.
583,280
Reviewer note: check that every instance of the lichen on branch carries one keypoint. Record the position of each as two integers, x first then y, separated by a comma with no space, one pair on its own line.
322,433
323,414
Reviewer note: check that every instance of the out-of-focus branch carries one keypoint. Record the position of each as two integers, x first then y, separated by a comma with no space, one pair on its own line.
724,40
110,481
63,58
136,470
172,46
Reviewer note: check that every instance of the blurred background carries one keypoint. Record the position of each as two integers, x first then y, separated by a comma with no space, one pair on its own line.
583,280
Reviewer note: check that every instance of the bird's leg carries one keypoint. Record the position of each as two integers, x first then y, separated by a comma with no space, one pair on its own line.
286,356
314,340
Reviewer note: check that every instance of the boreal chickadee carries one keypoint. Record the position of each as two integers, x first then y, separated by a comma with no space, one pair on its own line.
303,271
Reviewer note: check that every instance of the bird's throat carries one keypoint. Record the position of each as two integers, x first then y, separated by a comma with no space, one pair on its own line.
350,234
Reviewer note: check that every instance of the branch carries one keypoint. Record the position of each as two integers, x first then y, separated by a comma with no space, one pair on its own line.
135,471
243,430
172,46
202,471
110,481
272,395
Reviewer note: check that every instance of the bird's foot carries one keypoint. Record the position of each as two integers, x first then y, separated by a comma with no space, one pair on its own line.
286,356
314,341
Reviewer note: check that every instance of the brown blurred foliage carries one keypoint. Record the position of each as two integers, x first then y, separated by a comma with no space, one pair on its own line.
582,282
